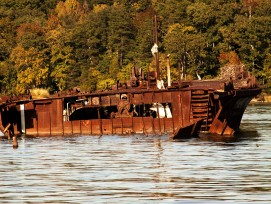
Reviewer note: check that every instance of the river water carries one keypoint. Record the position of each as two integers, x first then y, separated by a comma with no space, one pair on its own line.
141,169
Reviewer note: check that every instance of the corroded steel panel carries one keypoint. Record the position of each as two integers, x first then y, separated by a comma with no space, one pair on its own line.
148,98
137,99
106,126
158,126
166,97
115,99
117,125
157,97
168,125
139,125
186,106
43,123
86,127
56,110
96,128
28,106
127,125
67,128
148,125
76,127
176,109
105,100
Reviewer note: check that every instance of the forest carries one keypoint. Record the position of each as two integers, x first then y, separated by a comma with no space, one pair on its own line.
58,45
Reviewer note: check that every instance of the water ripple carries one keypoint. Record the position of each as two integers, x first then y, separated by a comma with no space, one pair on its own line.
141,169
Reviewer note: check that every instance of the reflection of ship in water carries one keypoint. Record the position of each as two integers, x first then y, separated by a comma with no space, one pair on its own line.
229,140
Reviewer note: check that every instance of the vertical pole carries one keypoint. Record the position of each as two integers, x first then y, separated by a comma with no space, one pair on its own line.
156,54
22,118
15,142
168,72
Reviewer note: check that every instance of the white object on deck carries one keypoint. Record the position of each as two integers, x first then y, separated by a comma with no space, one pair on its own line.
164,112
22,118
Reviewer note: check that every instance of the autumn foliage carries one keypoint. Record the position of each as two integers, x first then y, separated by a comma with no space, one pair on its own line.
58,45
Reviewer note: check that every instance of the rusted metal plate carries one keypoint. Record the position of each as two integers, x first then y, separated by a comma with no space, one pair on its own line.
28,106
166,97
139,125
157,126
117,125
168,123
157,97
106,126
128,125
185,105
176,109
86,127
67,128
115,99
137,98
148,98
148,125
105,101
76,127
96,128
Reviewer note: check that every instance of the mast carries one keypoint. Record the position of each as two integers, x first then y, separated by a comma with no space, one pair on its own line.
157,53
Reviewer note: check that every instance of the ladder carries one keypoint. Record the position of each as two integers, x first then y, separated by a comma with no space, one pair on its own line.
201,108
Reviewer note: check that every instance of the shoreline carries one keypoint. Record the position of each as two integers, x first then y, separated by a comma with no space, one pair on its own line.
263,98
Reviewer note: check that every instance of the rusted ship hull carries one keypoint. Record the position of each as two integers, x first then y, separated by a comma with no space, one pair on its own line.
131,111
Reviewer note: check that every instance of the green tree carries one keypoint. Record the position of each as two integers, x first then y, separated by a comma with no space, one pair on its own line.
120,33
144,40
32,68
186,45
8,77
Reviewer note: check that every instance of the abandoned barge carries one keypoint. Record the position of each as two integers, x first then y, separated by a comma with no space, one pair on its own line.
180,110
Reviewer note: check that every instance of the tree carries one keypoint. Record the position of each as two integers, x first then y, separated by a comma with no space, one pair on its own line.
186,45
60,52
7,78
120,32
32,68
70,12
144,40
90,79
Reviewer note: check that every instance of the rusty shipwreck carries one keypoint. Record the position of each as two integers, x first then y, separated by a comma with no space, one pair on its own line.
182,109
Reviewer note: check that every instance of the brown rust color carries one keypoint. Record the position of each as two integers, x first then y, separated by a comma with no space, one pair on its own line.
150,111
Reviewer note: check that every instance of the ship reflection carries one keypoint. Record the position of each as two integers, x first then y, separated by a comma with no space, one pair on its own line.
240,136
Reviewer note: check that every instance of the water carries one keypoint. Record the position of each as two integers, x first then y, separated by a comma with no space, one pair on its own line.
140,169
